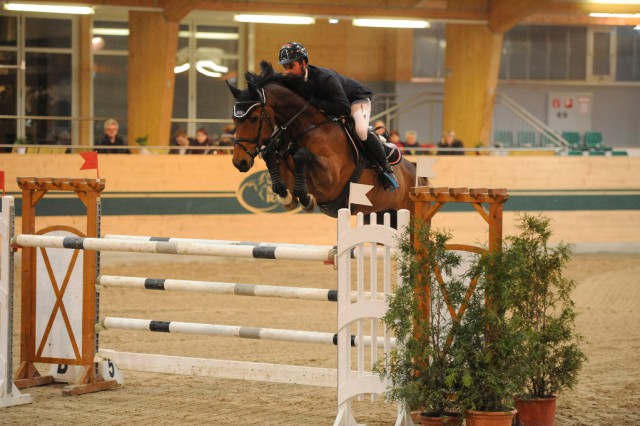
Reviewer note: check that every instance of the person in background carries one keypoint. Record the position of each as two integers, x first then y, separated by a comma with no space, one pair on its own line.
182,142
112,139
225,139
202,141
450,141
380,129
338,95
411,141
394,138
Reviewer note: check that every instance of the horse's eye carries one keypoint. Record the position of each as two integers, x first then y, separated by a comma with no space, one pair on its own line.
254,119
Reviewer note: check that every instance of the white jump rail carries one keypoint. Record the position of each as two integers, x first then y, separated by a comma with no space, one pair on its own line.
216,287
363,307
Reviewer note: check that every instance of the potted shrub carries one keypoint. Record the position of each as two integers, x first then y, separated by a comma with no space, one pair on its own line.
20,144
488,346
421,369
143,141
541,298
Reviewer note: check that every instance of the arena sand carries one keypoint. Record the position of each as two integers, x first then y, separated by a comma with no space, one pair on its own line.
607,297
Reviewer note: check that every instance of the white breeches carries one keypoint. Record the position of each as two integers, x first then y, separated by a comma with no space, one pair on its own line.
361,113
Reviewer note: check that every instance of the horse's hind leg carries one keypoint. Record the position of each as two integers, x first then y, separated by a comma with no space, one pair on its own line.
300,190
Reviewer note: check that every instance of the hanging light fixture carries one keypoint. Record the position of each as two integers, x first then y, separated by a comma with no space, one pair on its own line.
49,8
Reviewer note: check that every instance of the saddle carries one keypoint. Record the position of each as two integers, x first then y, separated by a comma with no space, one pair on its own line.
394,155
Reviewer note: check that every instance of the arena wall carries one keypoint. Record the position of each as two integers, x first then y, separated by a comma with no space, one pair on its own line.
589,199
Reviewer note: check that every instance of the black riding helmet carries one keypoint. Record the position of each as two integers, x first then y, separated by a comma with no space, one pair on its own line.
292,52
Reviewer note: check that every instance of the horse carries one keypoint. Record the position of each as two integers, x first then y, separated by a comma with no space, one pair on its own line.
311,158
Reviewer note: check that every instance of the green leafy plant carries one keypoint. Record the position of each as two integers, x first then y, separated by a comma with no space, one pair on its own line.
421,369
21,141
488,344
541,298
142,140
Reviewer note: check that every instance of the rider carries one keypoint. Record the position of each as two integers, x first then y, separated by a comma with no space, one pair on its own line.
339,96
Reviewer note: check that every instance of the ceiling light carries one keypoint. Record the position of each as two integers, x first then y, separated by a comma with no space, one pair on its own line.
390,23
333,20
615,15
48,8
181,68
275,19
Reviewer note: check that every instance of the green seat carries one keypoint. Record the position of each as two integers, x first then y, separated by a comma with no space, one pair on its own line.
575,153
619,153
573,139
593,140
504,137
526,138
596,152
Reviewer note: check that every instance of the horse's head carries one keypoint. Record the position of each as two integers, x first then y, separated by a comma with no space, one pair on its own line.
253,123
254,117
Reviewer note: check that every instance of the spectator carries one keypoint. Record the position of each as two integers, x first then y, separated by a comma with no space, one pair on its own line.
411,141
394,138
182,141
112,139
450,141
202,141
225,139
380,129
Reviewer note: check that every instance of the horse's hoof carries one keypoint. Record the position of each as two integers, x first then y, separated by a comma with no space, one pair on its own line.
309,208
288,202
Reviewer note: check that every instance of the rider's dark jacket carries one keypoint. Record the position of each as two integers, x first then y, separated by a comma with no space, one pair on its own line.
334,93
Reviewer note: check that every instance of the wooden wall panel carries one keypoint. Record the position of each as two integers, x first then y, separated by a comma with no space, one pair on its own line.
365,54
179,177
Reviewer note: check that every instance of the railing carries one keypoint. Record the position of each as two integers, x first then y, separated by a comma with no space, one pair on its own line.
513,126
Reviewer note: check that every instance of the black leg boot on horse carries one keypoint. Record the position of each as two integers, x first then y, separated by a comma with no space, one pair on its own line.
374,148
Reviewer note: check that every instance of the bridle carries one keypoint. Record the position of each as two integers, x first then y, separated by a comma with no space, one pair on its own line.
242,109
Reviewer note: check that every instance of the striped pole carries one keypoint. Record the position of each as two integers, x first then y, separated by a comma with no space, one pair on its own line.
231,331
214,287
332,249
184,248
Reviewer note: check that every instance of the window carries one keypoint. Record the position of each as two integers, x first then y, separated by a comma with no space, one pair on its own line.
532,52
110,45
601,53
36,79
628,54
428,51
207,56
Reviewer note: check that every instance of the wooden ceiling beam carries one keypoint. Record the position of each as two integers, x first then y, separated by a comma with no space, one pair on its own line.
176,10
506,14
344,10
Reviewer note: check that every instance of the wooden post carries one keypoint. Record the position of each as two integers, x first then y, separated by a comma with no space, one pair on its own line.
33,190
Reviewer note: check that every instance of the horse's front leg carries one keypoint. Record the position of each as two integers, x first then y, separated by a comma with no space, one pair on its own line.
277,186
300,160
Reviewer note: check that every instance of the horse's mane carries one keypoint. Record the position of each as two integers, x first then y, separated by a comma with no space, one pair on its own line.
269,76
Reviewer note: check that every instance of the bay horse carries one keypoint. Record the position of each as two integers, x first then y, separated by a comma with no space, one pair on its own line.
310,157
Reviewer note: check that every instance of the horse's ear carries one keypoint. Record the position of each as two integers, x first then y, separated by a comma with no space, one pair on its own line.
266,69
234,90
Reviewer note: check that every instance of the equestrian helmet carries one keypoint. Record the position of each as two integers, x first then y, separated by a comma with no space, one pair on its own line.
292,52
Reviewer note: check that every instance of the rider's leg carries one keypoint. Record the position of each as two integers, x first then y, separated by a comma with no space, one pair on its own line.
361,112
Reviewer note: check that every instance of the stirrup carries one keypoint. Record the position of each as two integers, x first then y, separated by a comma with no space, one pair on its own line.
389,182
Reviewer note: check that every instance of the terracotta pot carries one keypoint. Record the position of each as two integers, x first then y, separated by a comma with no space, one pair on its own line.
489,418
440,421
536,412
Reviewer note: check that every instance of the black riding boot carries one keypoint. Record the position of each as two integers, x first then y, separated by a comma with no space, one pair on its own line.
376,150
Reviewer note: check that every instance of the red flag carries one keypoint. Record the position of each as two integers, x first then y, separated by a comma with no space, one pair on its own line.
90,161
2,181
